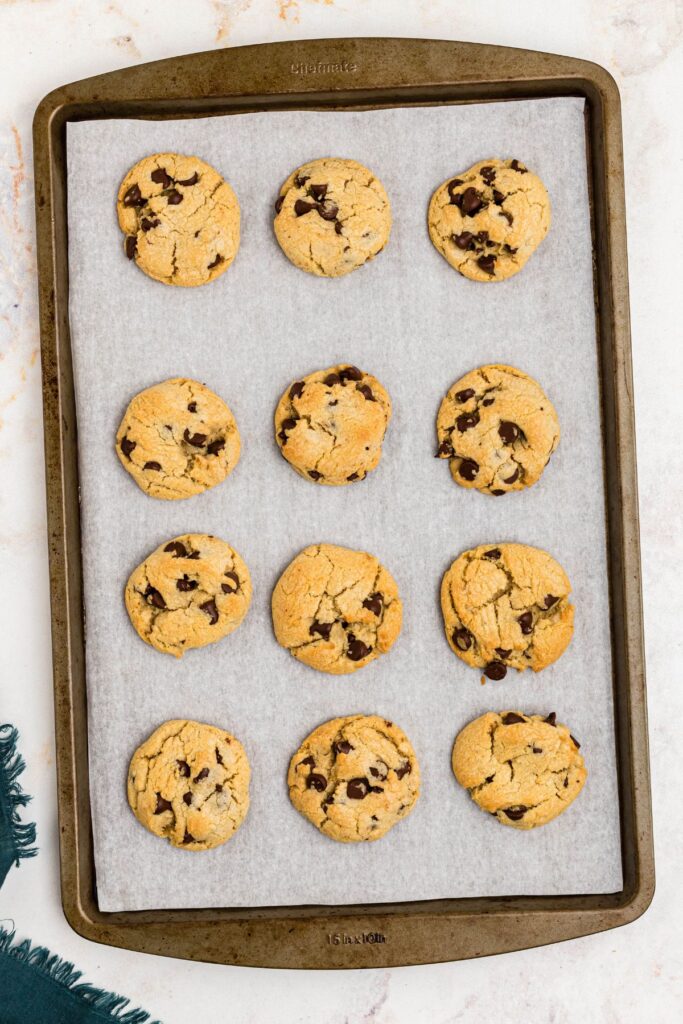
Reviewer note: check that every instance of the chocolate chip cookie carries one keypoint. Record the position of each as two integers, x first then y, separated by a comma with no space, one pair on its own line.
507,606
189,783
523,769
180,219
487,221
354,778
177,439
498,429
336,609
192,591
332,216
330,425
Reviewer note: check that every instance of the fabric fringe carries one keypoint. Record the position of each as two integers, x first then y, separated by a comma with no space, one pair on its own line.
11,766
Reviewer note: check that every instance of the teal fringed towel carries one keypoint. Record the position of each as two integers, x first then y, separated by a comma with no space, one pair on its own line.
37,987
16,839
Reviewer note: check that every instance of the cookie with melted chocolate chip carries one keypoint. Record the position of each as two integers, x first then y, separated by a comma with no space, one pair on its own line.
498,429
177,439
189,783
336,609
180,219
330,425
523,769
332,216
507,606
192,591
354,778
487,221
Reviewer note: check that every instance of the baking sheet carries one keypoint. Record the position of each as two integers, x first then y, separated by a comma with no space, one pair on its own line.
417,325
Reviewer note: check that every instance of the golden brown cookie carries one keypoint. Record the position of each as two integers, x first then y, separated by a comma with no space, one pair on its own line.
332,216
192,591
498,429
336,609
189,783
507,605
330,425
523,769
177,439
354,778
180,218
487,221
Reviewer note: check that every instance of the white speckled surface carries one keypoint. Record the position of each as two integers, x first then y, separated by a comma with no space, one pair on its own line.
623,976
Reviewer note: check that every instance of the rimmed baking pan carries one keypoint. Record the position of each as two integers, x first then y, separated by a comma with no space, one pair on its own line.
344,75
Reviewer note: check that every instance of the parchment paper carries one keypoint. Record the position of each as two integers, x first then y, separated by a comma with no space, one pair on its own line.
416,324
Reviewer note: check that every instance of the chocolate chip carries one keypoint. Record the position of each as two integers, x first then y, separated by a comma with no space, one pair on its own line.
146,224
184,769
516,166
497,493
471,202
185,585
314,474
550,600
131,246
189,181
127,447
377,774
498,197
526,623
374,603
566,782
511,718
356,649
174,197
160,177
278,203
488,401
509,218
354,476
453,185
508,248
318,192
287,424
179,550
296,390
216,446
162,805
495,670
203,774
153,597
462,638
488,174
193,554
338,226
302,206
210,608
515,813
316,782
508,431
192,407
482,236
464,395
323,629
152,465
133,197
575,741
468,469
512,479
215,262
301,180
358,789
187,798
405,769
187,838
218,789
329,211
332,379
445,450
503,653
309,761
537,750
493,553
196,440
350,373
551,719
342,747
366,392
233,586
487,264
463,240
467,420
218,756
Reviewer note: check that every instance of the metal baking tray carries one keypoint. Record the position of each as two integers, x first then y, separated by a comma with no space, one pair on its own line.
344,74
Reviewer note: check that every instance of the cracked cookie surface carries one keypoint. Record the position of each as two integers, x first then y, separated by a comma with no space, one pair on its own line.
355,778
332,216
524,769
180,219
177,439
507,606
330,425
487,221
189,783
192,591
498,429
336,609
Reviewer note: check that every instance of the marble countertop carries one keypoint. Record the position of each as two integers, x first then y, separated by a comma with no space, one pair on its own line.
627,975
